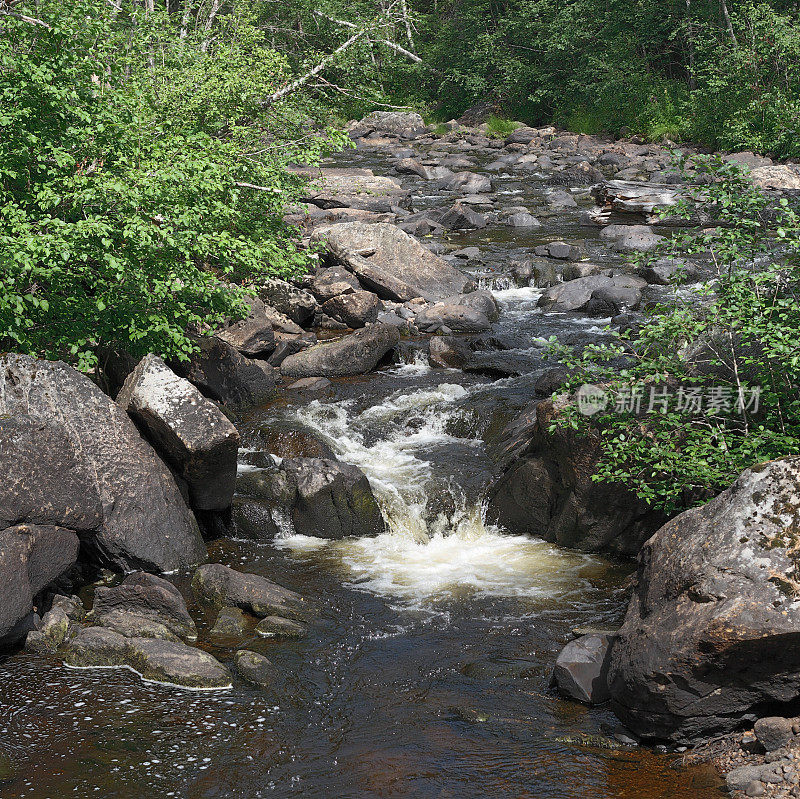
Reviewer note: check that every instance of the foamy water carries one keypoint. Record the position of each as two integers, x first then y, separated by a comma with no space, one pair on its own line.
425,554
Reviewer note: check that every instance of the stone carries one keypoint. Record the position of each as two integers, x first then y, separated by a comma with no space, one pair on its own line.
252,336
333,282
637,242
222,374
716,596
410,166
581,670
255,668
559,250
482,301
355,309
297,304
142,520
449,352
220,585
391,263
334,500
355,354
276,627
573,294
230,623
545,488
153,659
404,124
148,596
462,217
522,219
55,626
457,318
773,732
71,605
780,177
270,486
351,187
187,430
613,301
469,183
311,385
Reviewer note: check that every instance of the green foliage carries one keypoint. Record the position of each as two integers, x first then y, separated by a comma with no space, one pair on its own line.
669,70
499,128
127,157
718,341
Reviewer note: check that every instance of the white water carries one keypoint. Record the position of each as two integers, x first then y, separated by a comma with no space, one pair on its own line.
425,555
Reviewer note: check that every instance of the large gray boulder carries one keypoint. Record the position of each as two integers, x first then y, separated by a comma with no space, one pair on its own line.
391,263
188,430
574,295
155,660
31,557
333,500
469,183
252,336
712,633
356,354
461,217
130,512
222,586
405,124
351,187
223,374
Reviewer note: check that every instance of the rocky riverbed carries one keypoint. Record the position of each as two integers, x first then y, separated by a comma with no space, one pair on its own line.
372,549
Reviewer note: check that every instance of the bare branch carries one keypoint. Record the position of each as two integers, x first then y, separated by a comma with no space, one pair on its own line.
394,46
4,12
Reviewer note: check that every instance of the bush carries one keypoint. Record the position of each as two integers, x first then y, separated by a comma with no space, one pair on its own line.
729,343
126,183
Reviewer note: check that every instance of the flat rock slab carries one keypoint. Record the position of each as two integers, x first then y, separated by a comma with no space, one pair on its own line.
331,187
391,263
153,659
355,354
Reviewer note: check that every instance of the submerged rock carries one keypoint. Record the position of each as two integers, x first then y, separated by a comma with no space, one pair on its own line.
153,659
276,627
712,632
255,668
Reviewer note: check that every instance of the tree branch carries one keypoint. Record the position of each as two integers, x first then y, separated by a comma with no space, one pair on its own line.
4,12
393,45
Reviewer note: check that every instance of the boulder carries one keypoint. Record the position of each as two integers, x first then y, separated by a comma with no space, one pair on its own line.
251,336
774,732
31,557
355,310
255,668
575,294
522,219
145,595
712,631
404,124
409,166
361,189
581,670
222,374
295,303
637,242
546,489
188,431
559,250
276,627
222,586
449,352
355,354
469,183
230,623
391,263
613,301
780,177
143,521
456,318
482,301
333,282
153,659
333,500
462,217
